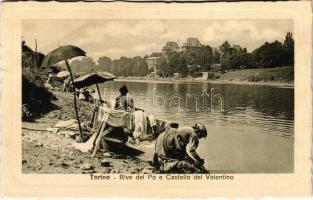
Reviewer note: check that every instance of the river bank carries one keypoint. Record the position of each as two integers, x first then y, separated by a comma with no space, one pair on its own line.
279,77
45,152
164,80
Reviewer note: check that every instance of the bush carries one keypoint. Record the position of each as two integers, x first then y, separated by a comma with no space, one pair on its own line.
36,99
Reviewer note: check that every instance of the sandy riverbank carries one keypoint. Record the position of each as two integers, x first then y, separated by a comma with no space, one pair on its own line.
46,152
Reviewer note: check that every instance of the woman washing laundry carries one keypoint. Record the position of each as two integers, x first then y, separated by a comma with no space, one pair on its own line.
175,150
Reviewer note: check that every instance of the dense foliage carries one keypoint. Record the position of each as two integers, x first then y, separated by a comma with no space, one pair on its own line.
123,66
273,54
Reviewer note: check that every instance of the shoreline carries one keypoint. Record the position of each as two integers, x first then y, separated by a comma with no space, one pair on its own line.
146,80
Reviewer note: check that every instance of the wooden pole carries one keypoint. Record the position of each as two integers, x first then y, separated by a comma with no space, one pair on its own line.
75,103
94,111
99,93
93,116
36,54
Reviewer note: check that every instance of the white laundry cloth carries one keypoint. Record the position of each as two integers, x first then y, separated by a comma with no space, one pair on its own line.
140,121
66,124
103,113
152,120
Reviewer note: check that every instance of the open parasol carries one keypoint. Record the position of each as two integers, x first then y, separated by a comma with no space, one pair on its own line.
94,78
64,53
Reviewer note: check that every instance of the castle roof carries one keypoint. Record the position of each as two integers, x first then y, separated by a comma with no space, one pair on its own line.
192,42
171,46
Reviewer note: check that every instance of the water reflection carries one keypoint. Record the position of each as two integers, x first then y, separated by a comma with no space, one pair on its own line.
257,121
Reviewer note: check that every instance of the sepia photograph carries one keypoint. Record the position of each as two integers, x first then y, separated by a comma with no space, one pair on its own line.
157,100
157,96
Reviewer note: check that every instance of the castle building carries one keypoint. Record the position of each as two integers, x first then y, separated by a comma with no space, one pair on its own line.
191,44
170,47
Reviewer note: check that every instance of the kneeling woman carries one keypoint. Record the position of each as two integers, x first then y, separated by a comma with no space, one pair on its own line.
175,150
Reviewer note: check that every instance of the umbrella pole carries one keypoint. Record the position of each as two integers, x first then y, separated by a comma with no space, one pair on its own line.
99,93
75,103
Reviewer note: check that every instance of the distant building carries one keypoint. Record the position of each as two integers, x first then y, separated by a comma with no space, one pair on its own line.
191,44
170,47
152,61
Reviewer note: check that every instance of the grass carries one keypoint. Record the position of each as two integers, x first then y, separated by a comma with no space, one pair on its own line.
278,74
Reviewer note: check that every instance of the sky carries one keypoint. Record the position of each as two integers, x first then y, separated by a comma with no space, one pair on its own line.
134,37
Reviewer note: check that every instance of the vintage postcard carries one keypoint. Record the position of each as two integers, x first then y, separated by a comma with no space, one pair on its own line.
156,100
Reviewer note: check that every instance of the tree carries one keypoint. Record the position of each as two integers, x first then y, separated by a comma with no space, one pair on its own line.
177,63
270,55
238,60
163,68
86,64
183,67
289,49
123,66
140,67
274,54
225,53
216,56
191,58
225,48
205,58
173,60
194,70
289,42
238,57
104,64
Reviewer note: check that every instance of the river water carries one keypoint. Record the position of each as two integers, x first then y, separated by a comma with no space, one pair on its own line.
250,127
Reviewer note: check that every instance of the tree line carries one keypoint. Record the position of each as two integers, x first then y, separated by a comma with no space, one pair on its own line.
123,66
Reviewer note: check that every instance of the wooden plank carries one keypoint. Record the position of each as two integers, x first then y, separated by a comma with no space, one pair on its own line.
102,133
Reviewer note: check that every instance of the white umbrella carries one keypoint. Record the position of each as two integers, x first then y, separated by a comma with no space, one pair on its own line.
63,74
